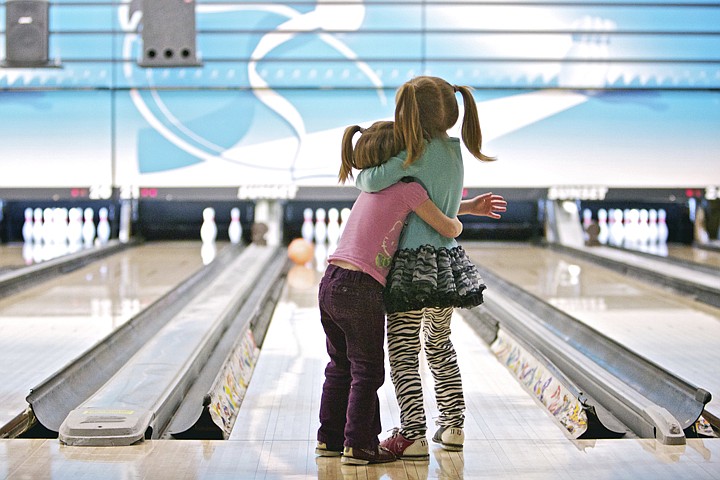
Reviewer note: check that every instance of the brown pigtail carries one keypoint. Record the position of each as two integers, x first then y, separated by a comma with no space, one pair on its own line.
408,129
347,162
471,133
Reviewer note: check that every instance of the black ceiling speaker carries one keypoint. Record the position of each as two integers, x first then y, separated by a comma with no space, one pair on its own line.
168,33
26,33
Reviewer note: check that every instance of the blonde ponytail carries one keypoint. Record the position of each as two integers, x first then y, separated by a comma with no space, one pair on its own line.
347,162
374,147
408,129
471,133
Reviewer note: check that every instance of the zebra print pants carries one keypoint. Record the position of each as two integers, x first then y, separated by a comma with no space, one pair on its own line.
403,334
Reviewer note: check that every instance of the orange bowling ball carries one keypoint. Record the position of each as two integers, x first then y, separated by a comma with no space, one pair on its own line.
300,251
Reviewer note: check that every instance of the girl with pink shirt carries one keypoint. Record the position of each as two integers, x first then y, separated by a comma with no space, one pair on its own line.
352,311
351,301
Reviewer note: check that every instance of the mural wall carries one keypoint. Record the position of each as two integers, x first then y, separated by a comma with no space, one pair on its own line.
613,93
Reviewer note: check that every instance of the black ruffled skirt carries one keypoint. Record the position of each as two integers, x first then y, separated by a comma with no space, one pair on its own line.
432,277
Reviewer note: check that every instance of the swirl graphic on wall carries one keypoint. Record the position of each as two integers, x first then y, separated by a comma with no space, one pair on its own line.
192,144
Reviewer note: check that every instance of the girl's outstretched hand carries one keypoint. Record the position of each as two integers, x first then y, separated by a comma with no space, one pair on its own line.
486,204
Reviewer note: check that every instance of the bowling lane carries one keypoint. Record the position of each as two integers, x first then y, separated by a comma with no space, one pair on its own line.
685,253
46,327
17,255
680,335
14,256
282,400
702,256
508,435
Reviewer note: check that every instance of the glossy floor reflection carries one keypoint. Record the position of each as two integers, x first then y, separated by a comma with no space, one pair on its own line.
294,459
508,434
46,326
669,329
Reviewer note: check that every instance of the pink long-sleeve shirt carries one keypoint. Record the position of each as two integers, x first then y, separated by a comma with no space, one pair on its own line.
372,231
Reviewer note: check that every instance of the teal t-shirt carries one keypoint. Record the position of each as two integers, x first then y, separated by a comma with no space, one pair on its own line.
440,171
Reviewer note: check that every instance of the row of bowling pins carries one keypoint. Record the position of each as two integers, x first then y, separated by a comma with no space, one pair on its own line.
62,226
326,227
209,230
629,227
323,229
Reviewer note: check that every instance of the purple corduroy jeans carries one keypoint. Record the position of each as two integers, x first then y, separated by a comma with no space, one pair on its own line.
353,317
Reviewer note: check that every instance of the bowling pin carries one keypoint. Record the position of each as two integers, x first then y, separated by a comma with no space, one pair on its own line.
88,229
47,229
333,232
662,226
61,226
644,228
652,226
320,226
308,229
60,245
27,229
75,227
627,228
208,229
586,221
235,228
344,215
587,218
333,227
632,228
617,230
103,228
602,223
37,225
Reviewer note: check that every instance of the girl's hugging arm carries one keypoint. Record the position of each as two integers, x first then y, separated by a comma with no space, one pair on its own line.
433,216
377,178
486,205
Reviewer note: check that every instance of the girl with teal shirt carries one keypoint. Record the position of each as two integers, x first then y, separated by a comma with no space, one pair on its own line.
430,274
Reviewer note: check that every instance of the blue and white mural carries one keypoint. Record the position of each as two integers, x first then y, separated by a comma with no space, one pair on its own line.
614,93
